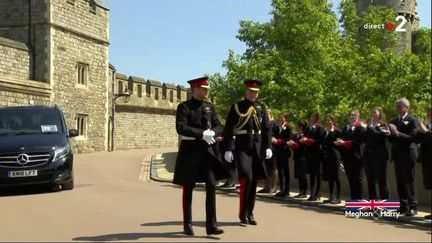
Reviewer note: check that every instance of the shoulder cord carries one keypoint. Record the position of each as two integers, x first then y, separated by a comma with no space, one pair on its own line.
244,118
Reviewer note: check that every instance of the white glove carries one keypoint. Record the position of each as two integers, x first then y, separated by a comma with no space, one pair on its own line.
269,153
229,156
208,136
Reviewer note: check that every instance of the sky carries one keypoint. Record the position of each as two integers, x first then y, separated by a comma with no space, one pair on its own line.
173,41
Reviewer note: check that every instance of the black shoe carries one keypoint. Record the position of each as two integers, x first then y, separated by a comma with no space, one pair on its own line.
214,231
314,198
251,220
336,201
187,229
428,217
282,194
300,196
411,212
264,190
330,200
228,185
244,220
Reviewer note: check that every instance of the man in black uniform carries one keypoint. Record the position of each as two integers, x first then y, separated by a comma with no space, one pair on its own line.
197,160
404,154
247,120
281,134
352,153
424,136
311,140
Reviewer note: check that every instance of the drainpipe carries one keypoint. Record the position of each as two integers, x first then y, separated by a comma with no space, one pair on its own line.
32,49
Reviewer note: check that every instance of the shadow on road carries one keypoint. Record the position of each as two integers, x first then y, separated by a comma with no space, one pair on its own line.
26,190
137,236
170,156
32,190
195,223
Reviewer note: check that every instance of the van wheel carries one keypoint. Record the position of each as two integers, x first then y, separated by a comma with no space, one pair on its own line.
69,185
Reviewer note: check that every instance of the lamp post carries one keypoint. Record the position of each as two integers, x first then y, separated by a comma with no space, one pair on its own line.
126,97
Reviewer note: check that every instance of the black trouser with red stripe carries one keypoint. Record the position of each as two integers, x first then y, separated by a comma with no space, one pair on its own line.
210,201
246,164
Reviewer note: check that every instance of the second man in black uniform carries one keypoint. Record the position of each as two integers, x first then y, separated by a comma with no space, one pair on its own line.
247,120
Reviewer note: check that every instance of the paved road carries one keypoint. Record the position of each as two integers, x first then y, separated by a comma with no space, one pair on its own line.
113,201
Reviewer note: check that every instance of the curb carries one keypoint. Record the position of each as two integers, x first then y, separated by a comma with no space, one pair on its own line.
417,221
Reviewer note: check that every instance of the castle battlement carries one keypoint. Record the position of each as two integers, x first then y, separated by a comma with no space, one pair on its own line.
148,93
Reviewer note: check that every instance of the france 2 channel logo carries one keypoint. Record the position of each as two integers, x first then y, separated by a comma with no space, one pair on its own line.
400,27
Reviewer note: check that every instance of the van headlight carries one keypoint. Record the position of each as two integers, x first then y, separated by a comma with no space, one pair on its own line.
60,153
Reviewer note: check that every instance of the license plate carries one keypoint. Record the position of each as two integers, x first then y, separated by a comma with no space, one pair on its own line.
22,173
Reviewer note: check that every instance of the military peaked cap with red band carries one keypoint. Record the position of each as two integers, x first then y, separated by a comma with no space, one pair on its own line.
253,84
199,82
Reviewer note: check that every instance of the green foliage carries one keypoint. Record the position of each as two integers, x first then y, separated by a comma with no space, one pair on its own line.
308,64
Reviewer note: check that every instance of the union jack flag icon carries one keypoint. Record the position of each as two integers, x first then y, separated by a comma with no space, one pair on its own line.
363,204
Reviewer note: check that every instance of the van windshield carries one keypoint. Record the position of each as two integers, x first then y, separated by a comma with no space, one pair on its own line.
30,121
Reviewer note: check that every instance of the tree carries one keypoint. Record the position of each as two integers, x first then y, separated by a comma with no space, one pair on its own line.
308,63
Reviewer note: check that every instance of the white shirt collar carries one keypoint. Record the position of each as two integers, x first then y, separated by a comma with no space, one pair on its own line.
403,117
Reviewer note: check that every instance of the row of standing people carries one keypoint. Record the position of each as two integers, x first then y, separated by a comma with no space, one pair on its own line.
323,151
199,160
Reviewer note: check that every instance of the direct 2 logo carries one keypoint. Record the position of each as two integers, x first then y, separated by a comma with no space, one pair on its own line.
390,25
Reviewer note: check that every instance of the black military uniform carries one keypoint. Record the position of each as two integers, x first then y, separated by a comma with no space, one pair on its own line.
352,157
300,170
271,167
313,135
249,122
425,157
282,153
197,161
405,154
331,163
375,158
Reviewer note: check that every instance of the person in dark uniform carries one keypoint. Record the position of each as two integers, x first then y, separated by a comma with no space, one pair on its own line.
376,155
300,170
424,136
248,121
331,159
352,154
405,155
197,160
281,134
270,182
312,140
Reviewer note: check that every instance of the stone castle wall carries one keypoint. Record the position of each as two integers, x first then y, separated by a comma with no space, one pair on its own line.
147,119
15,58
144,128
73,98
18,92
14,19
79,36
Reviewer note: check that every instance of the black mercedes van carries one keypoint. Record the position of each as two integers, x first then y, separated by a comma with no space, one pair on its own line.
34,147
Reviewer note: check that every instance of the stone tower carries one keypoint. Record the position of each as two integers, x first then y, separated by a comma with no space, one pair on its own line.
79,45
65,45
406,8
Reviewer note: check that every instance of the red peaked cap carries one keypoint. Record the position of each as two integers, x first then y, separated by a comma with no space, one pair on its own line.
253,84
199,82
